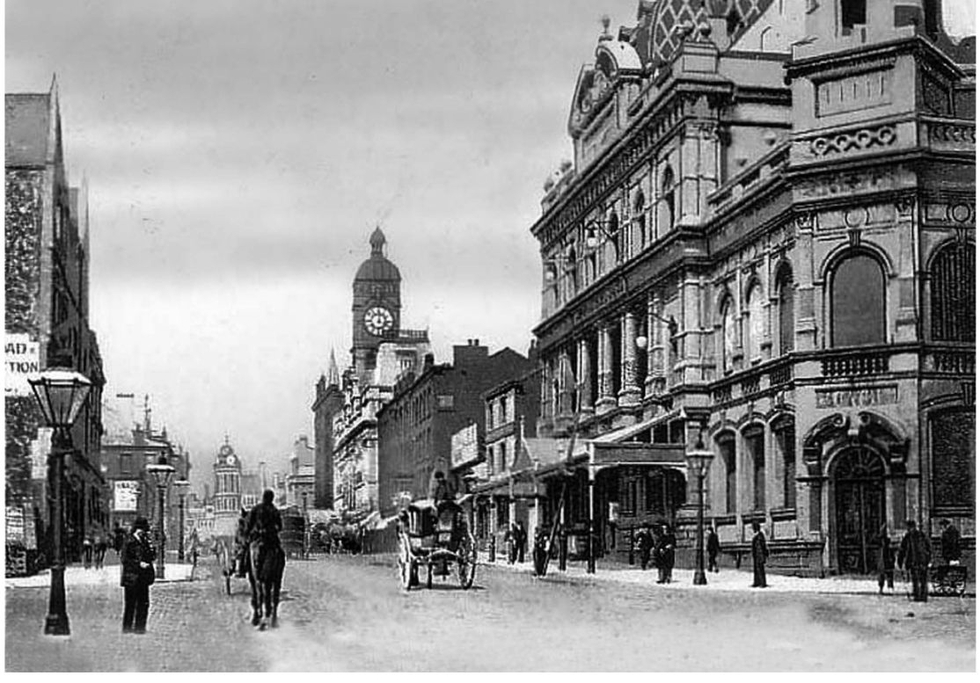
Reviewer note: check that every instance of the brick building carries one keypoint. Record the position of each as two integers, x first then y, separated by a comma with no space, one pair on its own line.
766,238
46,284
415,428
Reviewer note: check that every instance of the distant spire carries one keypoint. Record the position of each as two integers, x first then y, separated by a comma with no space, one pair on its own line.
226,438
146,413
333,374
377,242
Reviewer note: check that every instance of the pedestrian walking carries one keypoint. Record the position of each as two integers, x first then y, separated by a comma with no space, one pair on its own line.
521,542
665,554
136,577
87,551
644,543
886,561
714,547
511,540
539,554
915,553
760,553
101,547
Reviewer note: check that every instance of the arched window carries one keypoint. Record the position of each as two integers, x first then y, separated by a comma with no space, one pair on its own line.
857,302
667,190
615,238
756,326
726,451
952,280
784,440
640,219
728,334
786,312
755,456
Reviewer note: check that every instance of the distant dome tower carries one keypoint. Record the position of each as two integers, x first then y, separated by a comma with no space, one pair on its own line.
376,307
227,482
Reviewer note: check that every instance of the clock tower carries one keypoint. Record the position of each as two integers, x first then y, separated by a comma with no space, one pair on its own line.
376,307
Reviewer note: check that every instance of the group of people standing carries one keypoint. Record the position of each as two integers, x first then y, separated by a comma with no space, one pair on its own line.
94,549
516,540
915,555
658,544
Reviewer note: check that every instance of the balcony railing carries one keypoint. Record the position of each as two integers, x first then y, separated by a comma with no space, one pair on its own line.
952,362
855,364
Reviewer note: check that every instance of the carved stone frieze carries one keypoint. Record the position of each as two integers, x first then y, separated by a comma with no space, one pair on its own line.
855,140
952,213
854,182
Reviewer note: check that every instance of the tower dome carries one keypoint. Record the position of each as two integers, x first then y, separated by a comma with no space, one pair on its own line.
378,267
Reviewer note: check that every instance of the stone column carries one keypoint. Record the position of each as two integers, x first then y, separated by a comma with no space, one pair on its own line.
584,377
564,385
606,400
629,394
656,360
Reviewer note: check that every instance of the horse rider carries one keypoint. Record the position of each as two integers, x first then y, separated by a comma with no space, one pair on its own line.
264,522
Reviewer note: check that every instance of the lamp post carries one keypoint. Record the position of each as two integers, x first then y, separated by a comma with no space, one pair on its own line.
699,460
161,473
182,485
60,393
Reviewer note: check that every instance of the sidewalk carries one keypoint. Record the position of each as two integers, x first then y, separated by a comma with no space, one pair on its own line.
108,575
723,580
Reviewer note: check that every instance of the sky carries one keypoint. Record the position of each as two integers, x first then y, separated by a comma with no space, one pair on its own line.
239,153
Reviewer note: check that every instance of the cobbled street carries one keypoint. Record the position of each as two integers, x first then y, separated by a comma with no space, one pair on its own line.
348,613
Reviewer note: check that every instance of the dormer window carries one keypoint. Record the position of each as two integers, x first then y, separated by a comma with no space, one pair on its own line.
853,13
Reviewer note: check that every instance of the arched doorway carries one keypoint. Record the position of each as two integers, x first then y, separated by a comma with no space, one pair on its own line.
859,503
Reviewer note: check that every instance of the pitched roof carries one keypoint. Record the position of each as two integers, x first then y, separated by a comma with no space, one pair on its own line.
27,122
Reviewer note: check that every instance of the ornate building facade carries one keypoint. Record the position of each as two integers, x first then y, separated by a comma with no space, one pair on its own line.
766,241
227,496
347,404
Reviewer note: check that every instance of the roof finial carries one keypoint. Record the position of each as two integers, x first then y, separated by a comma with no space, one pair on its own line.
606,35
226,438
377,242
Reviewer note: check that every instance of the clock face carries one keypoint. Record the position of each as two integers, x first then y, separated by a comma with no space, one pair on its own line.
378,320
230,460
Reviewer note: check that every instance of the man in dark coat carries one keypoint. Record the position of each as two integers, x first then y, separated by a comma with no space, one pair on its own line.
665,554
760,553
521,542
136,576
264,521
714,547
886,561
915,554
644,543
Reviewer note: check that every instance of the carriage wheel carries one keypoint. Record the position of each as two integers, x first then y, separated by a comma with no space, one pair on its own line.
467,563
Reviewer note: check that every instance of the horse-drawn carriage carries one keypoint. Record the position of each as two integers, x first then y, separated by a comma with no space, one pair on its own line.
435,538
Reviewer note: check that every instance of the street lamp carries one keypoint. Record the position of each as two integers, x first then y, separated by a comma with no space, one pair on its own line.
182,485
699,460
60,393
161,473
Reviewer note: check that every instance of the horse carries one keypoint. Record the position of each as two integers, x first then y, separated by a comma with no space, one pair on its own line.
265,568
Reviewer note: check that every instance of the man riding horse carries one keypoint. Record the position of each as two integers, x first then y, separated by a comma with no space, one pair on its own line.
267,559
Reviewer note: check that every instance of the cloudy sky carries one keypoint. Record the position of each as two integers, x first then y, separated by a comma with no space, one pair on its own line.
239,154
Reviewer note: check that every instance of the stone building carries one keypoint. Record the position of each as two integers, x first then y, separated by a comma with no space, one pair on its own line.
46,285
227,496
128,447
766,239
415,427
347,405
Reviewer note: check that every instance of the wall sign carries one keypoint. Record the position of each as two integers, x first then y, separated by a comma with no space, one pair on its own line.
857,397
